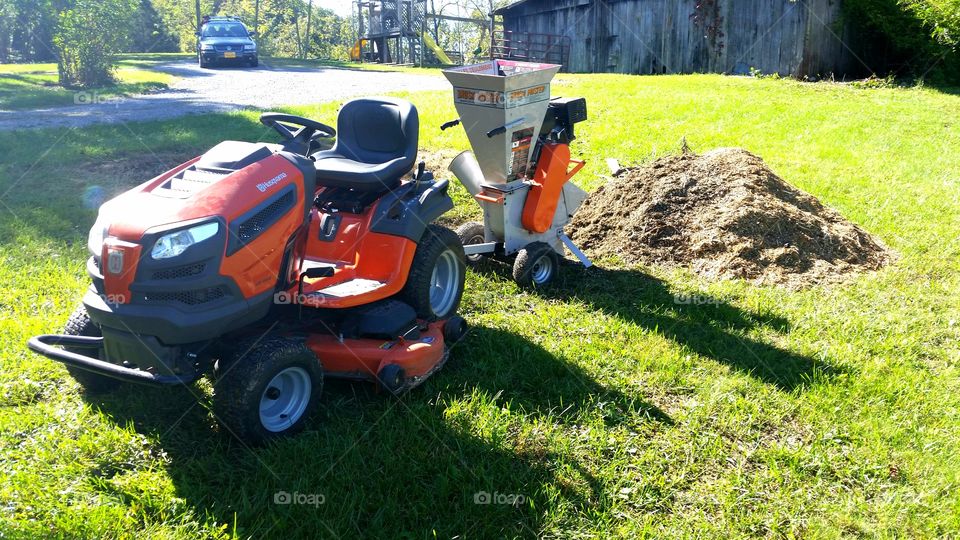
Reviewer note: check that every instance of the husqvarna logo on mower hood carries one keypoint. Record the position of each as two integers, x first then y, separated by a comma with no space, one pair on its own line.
264,186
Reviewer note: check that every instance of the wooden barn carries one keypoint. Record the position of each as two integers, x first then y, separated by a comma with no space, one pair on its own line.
800,38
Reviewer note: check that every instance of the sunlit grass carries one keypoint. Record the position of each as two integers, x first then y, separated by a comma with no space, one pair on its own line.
36,86
613,410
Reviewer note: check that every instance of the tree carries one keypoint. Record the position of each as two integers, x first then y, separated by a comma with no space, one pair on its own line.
26,30
89,35
918,38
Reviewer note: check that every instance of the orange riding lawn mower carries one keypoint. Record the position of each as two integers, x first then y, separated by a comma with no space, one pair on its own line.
274,266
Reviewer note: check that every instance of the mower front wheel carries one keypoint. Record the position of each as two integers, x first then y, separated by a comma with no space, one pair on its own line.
435,283
79,324
268,391
536,265
392,378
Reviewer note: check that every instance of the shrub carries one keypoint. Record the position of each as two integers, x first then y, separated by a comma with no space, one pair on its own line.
917,38
88,36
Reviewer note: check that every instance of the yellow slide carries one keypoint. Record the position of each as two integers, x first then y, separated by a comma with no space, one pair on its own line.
355,51
437,51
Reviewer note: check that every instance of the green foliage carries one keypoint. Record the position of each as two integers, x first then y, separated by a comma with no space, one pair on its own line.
149,34
281,25
26,30
940,17
88,36
916,38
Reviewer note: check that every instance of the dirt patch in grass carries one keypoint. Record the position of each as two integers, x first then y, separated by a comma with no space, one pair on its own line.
724,214
126,171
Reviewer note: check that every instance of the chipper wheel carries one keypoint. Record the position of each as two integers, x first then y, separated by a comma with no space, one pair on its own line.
79,324
471,233
435,282
267,391
536,265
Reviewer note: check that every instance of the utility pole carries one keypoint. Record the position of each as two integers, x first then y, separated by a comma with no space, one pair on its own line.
256,18
197,6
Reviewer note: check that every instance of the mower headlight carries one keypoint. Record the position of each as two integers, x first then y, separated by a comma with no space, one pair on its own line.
97,233
175,243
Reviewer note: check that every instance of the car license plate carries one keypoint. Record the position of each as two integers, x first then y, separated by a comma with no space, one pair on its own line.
229,54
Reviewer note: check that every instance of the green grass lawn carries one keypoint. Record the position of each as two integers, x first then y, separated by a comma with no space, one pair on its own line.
35,86
318,63
608,408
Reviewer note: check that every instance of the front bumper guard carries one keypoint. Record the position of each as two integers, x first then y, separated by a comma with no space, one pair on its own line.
47,345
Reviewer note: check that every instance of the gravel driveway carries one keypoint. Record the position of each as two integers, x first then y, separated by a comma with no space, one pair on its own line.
224,89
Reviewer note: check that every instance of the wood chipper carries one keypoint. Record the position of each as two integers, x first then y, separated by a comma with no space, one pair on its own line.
520,167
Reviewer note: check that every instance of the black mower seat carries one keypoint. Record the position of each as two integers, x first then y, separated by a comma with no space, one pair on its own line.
376,145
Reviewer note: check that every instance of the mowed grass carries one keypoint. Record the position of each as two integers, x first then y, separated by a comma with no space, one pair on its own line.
36,86
367,66
599,407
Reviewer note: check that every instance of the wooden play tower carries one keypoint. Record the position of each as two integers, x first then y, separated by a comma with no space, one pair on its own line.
390,31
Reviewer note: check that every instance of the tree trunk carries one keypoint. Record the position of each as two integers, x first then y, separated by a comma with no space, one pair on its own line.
306,38
296,26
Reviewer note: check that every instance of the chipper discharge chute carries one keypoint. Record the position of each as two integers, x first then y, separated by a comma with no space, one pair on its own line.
520,168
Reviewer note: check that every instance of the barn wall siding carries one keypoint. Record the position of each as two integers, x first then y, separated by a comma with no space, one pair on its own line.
797,38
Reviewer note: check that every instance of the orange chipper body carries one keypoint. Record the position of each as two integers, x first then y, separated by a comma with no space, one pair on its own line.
552,172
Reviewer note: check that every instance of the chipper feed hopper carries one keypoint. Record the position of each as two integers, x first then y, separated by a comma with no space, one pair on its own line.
520,168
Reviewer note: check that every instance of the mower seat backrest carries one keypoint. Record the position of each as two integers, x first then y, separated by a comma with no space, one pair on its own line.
376,145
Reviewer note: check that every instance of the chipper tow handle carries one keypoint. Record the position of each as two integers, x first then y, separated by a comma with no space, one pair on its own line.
447,125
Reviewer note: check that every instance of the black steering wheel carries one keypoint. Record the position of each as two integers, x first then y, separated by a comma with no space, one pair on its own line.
309,130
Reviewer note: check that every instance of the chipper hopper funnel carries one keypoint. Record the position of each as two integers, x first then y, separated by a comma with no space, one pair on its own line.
502,104
520,168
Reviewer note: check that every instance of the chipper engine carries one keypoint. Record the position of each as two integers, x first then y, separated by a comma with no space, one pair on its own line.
520,168
274,266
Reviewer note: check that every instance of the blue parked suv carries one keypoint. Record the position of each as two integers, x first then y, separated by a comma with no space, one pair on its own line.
225,39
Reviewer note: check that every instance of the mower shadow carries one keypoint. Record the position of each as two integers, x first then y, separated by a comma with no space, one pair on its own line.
707,326
433,457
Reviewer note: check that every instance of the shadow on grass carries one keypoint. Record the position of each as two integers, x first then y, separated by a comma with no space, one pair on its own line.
414,467
707,326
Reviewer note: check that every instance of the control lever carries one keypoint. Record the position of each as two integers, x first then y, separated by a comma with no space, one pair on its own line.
450,124
313,273
416,179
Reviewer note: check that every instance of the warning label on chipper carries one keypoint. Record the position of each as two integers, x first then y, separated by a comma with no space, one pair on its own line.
502,100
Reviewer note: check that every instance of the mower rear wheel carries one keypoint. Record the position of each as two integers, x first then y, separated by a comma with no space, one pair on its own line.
268,391
79,324
435,283
536,265
472,233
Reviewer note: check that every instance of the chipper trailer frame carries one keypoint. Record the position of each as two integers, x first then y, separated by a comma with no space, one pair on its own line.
520,168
